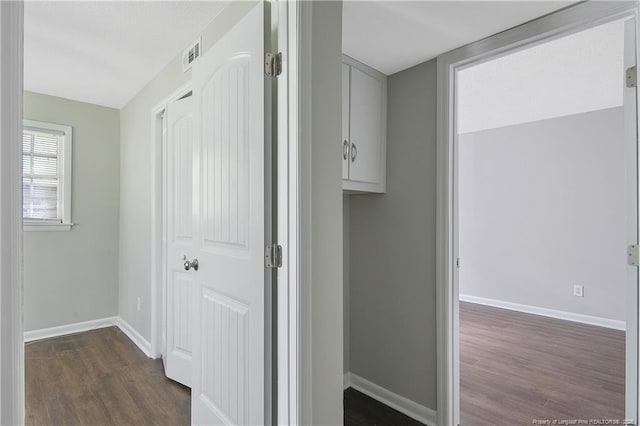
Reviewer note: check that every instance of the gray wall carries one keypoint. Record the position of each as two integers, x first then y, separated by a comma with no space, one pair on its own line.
346,272
73,276
135,170
542,207
326,215
392,250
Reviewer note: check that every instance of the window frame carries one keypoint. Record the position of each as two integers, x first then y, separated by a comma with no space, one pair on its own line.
64,183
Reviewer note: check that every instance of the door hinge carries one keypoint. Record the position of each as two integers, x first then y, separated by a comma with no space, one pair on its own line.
632,76
273,256
273,64
633,258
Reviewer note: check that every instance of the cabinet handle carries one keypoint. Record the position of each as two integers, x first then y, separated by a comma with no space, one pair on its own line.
354,152
345,150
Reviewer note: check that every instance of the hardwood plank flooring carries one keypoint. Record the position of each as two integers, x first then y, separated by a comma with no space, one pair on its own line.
99,377
517,367
514,368
361,410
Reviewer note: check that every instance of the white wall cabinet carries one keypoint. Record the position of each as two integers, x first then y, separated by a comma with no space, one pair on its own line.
364,127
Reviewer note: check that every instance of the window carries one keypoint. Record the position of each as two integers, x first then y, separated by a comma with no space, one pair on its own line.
46,176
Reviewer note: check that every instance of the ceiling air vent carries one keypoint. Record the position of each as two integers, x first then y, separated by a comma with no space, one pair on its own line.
192,53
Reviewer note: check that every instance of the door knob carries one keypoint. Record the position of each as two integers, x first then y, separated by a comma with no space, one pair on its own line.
354,152
193,264
345,150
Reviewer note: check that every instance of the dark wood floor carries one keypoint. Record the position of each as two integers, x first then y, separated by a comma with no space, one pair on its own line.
99,378
514,368
361,410
517,367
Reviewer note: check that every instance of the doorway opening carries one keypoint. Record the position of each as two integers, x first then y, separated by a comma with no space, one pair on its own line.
114,154
536,181
546,209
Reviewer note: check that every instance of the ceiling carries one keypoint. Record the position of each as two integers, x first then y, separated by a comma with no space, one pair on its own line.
105,52
391,36
569,75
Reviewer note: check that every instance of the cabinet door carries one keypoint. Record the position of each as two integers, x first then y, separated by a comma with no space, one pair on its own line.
366,127
345,121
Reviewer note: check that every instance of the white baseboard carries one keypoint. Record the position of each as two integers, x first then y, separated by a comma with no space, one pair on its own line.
347,381
46,333
569,316
406,406
142,343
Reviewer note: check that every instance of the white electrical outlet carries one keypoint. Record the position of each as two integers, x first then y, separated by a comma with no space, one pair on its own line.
138,304
578,290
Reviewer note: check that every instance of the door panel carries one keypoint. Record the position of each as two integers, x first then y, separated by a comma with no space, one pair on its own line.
225,366
345,121
631,155
179,292
230,205
365,132
225,168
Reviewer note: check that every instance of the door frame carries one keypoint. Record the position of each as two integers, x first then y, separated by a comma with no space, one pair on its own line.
293,376
294,194
561,23
11,308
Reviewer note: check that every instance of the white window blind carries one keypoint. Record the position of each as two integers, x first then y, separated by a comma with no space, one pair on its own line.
46,176
42,174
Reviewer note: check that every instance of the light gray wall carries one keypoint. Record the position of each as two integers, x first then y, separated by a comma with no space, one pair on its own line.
542,207
326,214
392,250
346,271
73,276
135,171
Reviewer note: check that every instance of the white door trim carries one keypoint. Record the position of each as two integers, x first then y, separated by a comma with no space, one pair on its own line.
11,332
157,217
288,320
294,214
563,22
294,211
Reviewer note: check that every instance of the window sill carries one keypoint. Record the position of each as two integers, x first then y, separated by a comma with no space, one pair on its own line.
46,227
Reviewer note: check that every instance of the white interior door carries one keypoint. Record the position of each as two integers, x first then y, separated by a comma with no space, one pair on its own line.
178,300
631,142
230,204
